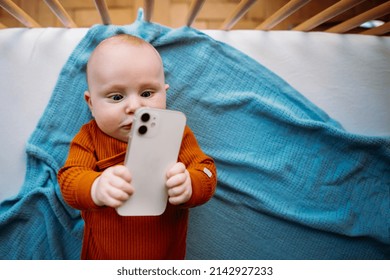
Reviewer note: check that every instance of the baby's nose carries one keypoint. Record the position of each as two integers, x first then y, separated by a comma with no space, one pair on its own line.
132,105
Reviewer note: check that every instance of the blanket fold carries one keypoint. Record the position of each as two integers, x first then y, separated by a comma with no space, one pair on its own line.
293,184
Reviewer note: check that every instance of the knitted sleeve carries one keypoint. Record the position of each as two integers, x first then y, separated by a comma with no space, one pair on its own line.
201,168
77,175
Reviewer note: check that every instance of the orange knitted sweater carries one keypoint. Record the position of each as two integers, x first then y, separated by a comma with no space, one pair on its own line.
110,236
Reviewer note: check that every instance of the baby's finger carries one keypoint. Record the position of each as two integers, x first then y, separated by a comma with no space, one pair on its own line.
112,202
179,199
176,191
175,200
118,194
122,172
177,168
176,180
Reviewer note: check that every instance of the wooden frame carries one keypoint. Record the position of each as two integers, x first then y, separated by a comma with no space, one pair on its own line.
291,7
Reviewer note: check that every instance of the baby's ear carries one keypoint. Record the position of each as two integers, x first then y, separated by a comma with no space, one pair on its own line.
87,97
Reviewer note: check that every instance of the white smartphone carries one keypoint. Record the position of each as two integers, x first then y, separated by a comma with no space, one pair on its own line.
154,144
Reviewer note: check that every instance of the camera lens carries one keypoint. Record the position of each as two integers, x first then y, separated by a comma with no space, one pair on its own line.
142,129
145,117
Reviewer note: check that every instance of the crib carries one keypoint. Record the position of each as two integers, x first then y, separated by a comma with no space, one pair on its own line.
339,71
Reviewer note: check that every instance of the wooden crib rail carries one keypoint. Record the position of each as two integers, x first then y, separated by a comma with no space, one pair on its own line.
327,14
242,8
374,13
196,6
342,16
18,13
102,8
61,13
282,13
148,7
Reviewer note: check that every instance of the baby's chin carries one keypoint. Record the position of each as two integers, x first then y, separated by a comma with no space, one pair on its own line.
124,138
123,135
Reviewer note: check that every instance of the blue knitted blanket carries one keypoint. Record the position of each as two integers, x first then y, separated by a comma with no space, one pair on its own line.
293,184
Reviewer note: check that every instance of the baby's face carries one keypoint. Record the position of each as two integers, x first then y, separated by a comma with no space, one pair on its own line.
123,78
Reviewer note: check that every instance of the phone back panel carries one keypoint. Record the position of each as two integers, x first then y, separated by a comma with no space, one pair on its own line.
154,144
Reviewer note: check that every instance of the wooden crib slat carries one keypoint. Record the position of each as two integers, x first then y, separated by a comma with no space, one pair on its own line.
380,30
374,13
2,25
196,6
241,9
102,8
15,11
282,13
61,13
327,14
148,10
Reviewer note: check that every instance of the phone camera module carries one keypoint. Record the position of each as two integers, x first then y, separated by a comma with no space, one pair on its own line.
142,129
145,117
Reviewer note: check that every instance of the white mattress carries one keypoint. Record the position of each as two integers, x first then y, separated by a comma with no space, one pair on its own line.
347,76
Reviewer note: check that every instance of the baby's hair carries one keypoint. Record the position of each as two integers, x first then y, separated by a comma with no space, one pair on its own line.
133,40
120,39
136,41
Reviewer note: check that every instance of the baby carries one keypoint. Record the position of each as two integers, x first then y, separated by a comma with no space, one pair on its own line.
125,73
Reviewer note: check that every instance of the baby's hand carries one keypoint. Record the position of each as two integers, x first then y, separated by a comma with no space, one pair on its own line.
179,184
112,187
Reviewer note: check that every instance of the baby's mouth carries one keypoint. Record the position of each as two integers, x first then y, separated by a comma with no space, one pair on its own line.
127,126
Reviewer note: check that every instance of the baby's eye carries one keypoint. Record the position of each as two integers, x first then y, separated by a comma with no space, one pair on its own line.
116,97
146,94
